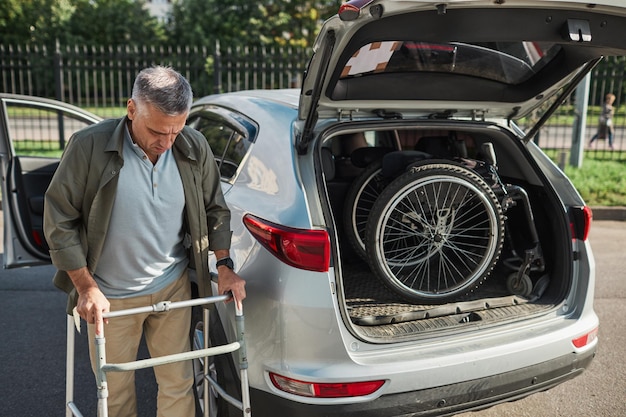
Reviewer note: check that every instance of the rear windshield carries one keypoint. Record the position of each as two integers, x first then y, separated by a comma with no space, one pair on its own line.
506,62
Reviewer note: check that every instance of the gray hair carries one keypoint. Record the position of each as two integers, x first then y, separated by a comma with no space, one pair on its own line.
164,88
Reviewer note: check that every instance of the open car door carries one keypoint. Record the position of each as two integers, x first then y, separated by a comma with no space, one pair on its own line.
31,126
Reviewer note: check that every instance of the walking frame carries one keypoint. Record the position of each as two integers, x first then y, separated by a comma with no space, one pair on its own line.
102,367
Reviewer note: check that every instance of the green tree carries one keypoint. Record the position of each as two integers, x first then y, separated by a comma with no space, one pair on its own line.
202,22
243,22
114,22
293,23
93,22
33,21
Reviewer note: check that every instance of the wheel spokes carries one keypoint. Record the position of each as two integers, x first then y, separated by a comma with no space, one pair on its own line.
436,236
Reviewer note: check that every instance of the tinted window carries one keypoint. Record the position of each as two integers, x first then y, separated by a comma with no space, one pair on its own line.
229,145
507,62
41,131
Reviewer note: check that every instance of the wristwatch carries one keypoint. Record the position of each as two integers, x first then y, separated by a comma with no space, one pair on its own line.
225,262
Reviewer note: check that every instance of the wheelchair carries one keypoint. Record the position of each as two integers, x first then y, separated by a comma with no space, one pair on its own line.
433,228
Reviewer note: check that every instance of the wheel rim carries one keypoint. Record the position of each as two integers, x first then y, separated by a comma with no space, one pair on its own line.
365,198
437,236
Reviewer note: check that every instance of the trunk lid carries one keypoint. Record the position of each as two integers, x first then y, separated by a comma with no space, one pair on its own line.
463,59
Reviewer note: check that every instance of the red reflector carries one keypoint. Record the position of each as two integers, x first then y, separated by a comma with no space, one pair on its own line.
588,214
580,222
348,12
586,339
37,238
351,9
301,248
325,390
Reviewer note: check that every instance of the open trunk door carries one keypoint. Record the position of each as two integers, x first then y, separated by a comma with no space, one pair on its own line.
463,59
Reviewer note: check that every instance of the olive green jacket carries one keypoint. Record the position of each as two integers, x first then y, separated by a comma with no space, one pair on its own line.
80,197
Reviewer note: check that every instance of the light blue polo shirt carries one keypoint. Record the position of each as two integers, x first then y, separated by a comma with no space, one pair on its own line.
143,251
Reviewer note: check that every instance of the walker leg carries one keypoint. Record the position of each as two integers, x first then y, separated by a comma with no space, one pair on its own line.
69,367
245,393
243,361
101,379
205,385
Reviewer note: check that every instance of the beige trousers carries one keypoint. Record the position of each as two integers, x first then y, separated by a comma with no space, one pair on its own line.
165,333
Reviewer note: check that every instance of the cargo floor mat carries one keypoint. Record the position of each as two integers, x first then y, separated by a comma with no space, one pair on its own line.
372,305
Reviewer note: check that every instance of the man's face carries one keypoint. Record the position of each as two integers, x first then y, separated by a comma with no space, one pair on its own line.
153,130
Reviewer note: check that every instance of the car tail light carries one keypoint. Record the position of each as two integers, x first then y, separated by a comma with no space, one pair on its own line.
586,339
301,248
325,390
580,222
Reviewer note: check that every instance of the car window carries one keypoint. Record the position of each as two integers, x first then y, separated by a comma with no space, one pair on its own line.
506,62
41,131
228,144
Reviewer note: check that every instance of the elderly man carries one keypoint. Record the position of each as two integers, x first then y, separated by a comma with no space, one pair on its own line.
134,203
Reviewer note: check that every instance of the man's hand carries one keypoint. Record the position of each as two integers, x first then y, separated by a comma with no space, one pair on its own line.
91,301
228,280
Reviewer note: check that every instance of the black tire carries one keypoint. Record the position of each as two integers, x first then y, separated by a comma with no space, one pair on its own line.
360,198
435,233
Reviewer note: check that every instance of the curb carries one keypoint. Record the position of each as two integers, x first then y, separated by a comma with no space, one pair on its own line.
609,213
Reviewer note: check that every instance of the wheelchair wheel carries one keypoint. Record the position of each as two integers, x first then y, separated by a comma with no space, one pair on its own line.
359,201
435,233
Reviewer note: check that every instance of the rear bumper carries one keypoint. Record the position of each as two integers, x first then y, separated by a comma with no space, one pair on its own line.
444,400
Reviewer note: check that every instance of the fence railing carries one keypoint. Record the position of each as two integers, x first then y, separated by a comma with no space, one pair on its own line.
100,79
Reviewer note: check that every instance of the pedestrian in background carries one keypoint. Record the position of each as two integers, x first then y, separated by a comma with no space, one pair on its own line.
134,202
605,122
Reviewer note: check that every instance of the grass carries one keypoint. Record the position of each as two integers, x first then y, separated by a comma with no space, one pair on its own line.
600,181
41,148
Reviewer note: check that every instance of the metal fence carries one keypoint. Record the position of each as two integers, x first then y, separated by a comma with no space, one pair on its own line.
100,79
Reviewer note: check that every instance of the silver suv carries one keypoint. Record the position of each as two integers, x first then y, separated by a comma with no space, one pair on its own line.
408,249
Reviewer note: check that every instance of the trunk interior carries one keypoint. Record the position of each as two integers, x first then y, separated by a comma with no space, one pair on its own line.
379,312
